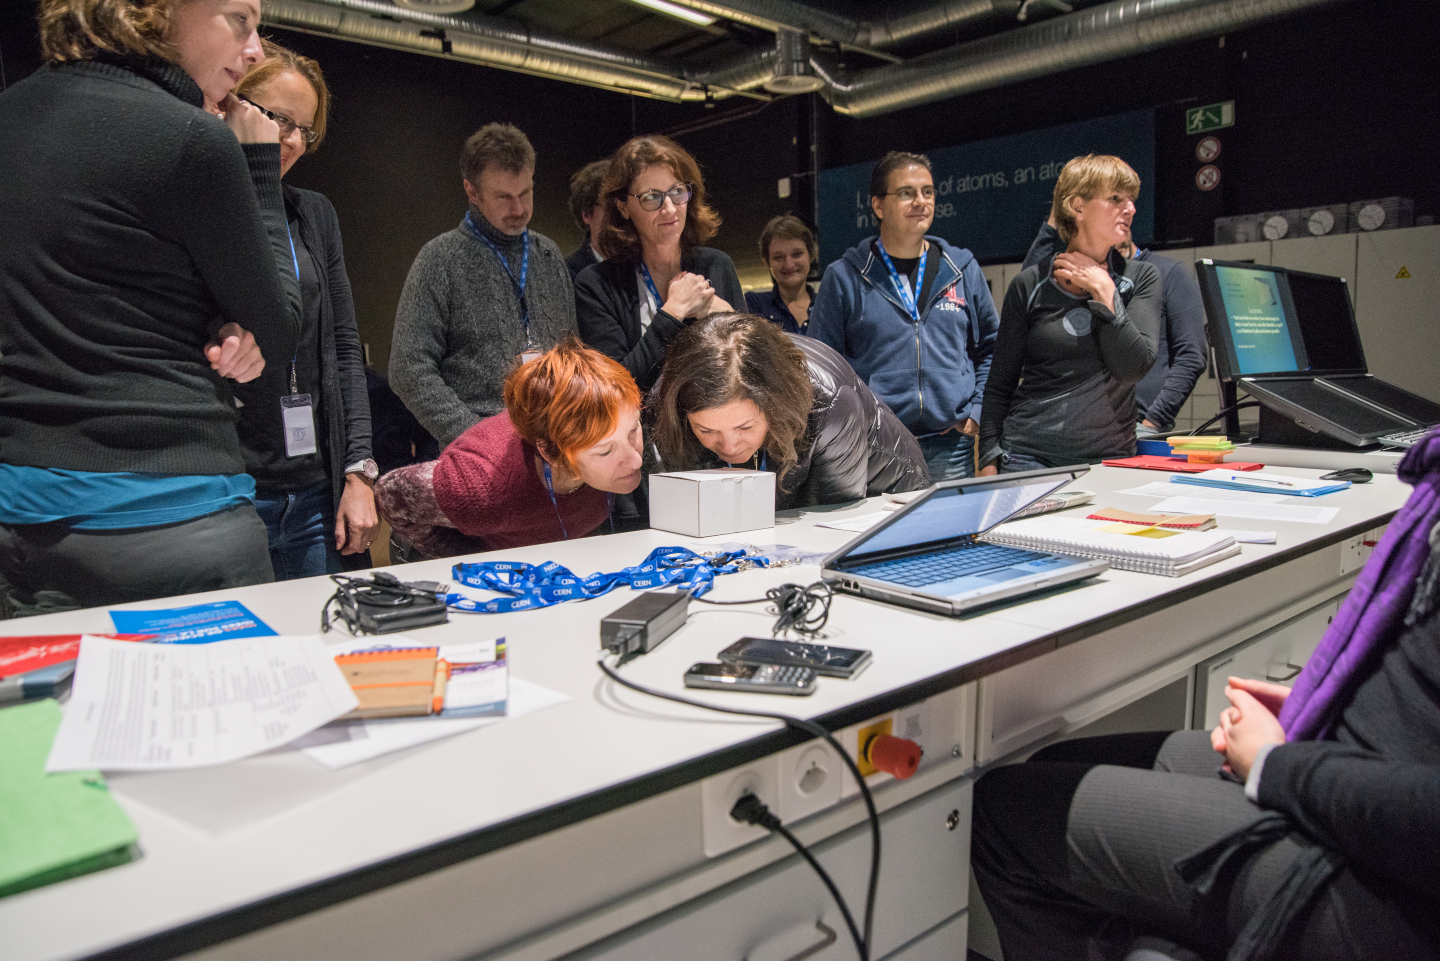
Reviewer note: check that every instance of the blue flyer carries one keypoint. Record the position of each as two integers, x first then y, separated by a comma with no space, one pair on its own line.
200,624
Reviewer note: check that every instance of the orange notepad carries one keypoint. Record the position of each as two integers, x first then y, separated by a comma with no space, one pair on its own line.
391,683
1187,522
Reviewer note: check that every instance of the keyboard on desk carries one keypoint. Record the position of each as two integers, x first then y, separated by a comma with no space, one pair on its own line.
1405,438
947,565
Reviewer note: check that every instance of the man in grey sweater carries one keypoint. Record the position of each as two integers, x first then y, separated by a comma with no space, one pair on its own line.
482,297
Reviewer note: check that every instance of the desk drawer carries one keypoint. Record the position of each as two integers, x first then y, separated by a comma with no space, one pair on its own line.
772,914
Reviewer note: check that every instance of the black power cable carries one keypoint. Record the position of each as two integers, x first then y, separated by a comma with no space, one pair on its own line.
796,606
1233,407
810,727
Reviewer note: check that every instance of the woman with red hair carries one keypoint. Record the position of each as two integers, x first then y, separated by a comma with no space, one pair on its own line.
545,469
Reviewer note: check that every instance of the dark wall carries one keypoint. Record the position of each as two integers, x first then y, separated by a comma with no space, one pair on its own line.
1336,105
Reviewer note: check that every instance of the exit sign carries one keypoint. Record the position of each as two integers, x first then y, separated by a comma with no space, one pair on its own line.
1211,117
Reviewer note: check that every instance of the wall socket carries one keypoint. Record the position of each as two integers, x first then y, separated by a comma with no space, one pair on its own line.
718,794
809,779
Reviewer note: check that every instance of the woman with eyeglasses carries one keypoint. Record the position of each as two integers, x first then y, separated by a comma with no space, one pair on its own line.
656,277
315,497
146,264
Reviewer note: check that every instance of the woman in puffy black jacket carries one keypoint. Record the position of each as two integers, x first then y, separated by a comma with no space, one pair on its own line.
736,391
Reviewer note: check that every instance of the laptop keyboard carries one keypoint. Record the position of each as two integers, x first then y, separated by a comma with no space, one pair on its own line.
1408,438
947,565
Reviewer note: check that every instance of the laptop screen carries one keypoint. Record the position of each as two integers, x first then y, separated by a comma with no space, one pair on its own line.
1327,323
1263,335
952,512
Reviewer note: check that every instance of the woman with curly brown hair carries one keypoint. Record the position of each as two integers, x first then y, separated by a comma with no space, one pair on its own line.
656,276
736,391
146,258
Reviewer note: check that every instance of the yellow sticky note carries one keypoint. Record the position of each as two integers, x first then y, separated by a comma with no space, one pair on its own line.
1136,530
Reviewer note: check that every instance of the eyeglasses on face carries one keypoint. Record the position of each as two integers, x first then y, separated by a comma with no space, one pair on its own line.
679,195
907,195
286,124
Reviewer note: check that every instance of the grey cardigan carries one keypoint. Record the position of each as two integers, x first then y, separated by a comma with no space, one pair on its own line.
458,331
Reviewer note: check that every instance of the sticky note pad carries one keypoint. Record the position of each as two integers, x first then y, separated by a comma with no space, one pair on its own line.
1134,531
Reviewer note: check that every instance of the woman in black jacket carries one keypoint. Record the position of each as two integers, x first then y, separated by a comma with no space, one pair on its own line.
656,277
145,260
736,391
317,499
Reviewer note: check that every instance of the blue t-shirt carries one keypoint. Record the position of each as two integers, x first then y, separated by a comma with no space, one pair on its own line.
91,500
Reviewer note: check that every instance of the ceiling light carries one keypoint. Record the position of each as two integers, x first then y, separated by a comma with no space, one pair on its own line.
792,72
677,11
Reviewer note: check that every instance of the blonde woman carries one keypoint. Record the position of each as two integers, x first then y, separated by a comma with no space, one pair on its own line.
1077,332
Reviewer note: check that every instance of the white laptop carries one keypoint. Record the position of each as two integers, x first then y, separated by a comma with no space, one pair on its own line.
927,555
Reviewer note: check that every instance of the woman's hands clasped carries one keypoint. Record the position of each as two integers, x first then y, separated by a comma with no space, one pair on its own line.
691,295
1080,274
1249,723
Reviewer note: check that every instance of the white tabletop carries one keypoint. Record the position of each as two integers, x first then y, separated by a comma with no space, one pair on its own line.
221,838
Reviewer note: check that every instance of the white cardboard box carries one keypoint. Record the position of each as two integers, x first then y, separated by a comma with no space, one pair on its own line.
706,502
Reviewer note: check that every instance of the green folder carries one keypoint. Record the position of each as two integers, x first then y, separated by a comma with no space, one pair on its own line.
54,826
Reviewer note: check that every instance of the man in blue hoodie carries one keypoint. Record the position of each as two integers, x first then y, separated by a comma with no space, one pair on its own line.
913,315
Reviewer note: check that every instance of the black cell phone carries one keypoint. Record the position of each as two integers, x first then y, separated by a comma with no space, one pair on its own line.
755,678
826,660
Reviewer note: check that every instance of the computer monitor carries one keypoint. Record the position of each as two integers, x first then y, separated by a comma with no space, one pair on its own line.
1327,323
1253,322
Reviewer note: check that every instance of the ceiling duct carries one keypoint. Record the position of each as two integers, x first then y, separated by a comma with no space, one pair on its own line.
792,72
498,43
1110,31
860,34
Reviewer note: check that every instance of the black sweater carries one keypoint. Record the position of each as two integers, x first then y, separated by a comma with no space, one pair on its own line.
1372,792
607,310
134,225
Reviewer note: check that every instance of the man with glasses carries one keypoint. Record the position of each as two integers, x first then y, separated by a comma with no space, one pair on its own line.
913,315
481,297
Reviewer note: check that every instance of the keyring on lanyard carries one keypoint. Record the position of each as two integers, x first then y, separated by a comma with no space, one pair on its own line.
907,297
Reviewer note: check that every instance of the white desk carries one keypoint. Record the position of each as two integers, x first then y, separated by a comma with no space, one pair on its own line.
545,834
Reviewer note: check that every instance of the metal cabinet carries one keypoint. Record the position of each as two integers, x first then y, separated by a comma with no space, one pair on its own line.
1396,296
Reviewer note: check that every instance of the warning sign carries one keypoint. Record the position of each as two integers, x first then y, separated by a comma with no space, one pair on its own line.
1207,149
1403,275
1207,177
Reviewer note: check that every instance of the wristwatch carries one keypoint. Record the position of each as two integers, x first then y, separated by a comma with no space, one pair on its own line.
367,468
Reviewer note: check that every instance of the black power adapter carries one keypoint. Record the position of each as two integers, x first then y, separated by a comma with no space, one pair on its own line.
641,624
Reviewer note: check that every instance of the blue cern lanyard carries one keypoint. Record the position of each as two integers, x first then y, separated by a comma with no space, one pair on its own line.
524,267
907,297
650,285
550,488
528,586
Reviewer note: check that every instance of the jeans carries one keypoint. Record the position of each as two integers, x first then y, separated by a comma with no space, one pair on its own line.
46,568
949,456
300,526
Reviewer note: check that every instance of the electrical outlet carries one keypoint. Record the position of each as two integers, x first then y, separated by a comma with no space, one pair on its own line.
718,794
1353,553
809,780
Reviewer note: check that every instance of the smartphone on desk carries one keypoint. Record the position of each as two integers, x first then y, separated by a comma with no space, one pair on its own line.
755,678
827,661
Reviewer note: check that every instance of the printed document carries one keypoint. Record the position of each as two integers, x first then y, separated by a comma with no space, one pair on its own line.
1302,513
1161,489
152,707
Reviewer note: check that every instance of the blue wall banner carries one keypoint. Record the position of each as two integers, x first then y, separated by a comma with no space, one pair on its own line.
993,195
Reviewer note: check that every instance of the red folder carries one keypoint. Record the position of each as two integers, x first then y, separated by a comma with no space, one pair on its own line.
30,653
1152,462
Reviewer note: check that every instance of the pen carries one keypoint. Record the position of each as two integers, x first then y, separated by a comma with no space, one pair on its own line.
1261,480
437,693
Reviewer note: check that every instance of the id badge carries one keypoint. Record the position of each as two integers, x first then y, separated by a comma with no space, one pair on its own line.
299,419
530,351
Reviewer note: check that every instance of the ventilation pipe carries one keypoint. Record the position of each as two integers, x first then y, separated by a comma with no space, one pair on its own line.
860,34
1110,31
792,72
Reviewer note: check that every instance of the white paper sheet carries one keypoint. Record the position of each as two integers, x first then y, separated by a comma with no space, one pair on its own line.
1253,537
351,742
856,524
1162,489
153,707
1303,514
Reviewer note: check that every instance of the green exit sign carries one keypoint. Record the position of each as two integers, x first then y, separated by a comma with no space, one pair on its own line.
1210,117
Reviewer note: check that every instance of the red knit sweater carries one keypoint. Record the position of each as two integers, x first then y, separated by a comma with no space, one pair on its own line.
486,484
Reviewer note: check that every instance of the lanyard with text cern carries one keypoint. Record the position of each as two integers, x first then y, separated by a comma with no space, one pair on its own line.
524,267
650,285
907,297
541,585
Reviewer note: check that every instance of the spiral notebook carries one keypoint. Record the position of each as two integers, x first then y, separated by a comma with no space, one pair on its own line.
1145,550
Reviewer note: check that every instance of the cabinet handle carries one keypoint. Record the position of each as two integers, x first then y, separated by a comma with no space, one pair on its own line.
828,935
1294,672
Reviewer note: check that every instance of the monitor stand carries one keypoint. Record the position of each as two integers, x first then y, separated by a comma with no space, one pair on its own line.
1277,430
